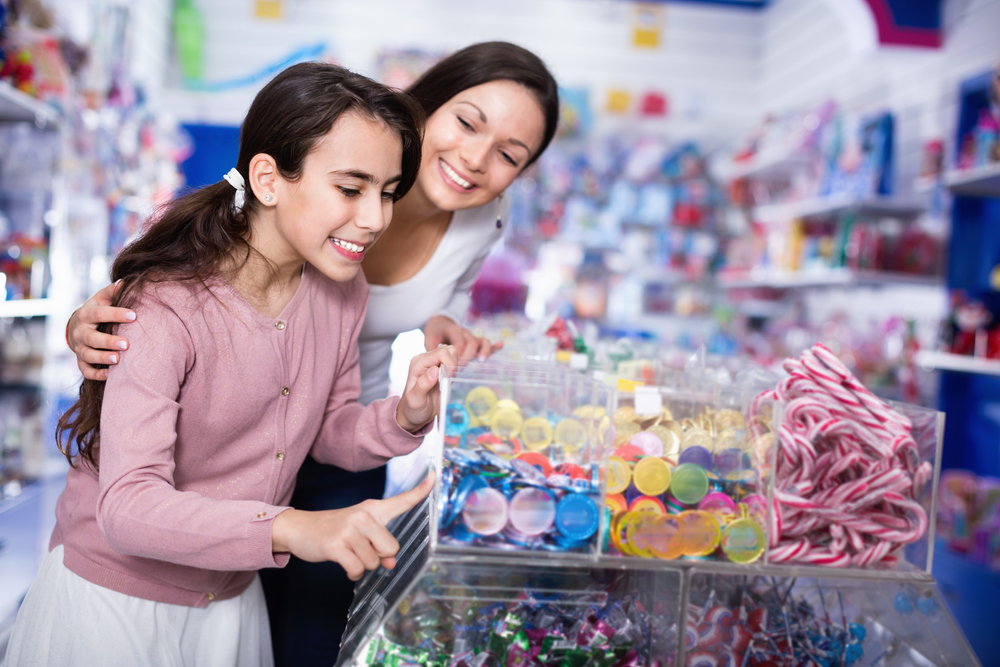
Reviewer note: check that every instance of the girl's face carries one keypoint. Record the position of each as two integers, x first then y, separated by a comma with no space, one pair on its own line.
476,144
343,200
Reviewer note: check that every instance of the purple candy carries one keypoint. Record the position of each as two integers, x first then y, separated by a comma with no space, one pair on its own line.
699,456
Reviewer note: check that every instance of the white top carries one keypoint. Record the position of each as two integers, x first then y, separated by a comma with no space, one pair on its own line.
441,287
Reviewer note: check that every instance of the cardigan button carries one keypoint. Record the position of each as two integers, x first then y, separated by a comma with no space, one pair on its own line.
280,326
280,456
261,515
210,596
285,391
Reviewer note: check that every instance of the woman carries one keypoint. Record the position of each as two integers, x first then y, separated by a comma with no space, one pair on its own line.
491,109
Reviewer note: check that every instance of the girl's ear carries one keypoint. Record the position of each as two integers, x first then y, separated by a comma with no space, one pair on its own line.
263,179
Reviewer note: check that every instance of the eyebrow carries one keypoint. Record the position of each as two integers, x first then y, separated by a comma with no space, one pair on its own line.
365,176
482,117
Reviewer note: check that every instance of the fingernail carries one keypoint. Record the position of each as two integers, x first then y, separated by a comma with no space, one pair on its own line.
482,357
121,345
113,359
130,316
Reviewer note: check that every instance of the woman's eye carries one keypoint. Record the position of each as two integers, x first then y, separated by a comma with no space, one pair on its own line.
350,192
509,159
464,123
391,196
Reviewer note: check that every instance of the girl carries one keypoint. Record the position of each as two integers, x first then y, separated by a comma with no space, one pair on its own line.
244,362
491,109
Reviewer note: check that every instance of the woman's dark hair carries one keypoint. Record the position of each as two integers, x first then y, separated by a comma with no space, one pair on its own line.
490,61
202,232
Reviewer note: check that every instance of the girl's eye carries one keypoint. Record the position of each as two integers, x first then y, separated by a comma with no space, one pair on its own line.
509,159
350,192
464,123
391,196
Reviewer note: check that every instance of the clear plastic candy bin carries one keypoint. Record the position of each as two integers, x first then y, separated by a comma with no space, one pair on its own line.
759,620
688,476
446,610
520,448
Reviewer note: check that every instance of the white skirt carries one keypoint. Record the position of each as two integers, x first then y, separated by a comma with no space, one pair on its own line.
67,620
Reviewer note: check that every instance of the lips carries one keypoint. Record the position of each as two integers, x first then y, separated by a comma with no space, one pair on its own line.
348,249
455,176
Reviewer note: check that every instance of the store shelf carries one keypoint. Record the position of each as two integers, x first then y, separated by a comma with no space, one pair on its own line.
771,162
16,106
825,278
27,308
842,203
978,182
945,361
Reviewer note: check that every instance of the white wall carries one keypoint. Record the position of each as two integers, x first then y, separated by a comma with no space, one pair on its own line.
707,65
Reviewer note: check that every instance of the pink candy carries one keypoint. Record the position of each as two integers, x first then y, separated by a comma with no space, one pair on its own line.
847,472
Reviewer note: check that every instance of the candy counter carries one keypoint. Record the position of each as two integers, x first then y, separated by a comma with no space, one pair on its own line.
575,517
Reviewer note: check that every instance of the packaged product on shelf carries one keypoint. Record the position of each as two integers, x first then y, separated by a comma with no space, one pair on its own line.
854,476
521,452
763,621
969,516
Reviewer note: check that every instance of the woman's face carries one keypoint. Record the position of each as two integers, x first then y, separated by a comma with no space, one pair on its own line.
476,144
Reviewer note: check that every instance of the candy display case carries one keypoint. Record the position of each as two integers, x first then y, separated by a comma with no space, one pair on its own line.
689,475
520,448
776,620
446,609
855,477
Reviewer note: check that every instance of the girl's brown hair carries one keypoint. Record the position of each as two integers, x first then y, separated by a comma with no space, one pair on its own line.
490,61
202,232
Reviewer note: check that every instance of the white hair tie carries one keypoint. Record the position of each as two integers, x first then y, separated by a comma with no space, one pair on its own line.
235,179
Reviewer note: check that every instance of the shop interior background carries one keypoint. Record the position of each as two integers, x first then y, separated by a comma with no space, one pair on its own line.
152,109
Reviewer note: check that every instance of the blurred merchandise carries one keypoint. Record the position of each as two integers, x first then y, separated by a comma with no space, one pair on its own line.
969,516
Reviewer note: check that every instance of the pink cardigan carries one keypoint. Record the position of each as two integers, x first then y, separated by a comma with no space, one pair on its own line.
205,423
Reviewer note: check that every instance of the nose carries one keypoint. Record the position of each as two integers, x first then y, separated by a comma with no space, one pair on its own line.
373,215
474,155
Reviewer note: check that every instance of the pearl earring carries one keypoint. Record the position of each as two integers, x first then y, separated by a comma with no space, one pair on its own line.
268,197
499,202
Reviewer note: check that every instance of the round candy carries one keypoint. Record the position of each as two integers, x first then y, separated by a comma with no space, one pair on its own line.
756,507
674,506
739,638
699,456
730,461
615,502
651,476
626,413
485,511
649,443
498,445
619,475
570,435
696,437
631,545
456,420
532,511
743,541
630,453
540,461
689,483
624,432
571,470
506,423
536,433
648,504
577,516
699,533
465,487
480,402
528,472
902,603
671,441
664,541
719,504
507,404
701,658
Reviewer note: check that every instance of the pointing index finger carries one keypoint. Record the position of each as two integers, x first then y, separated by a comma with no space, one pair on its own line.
389,508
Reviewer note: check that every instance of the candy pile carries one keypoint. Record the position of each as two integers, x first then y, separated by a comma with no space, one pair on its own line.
510,482
770,631
684,488
848,470
537,629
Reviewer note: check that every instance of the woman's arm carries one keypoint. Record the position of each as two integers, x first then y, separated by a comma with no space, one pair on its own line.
90,345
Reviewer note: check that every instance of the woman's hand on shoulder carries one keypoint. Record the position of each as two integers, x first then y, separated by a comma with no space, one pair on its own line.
442,330
419,402
355,537
90,346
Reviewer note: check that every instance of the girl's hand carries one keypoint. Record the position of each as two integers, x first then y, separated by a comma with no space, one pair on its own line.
441,330
90,345
419,402
354,537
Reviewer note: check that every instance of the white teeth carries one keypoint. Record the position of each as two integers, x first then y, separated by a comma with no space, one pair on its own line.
347,245
454,176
